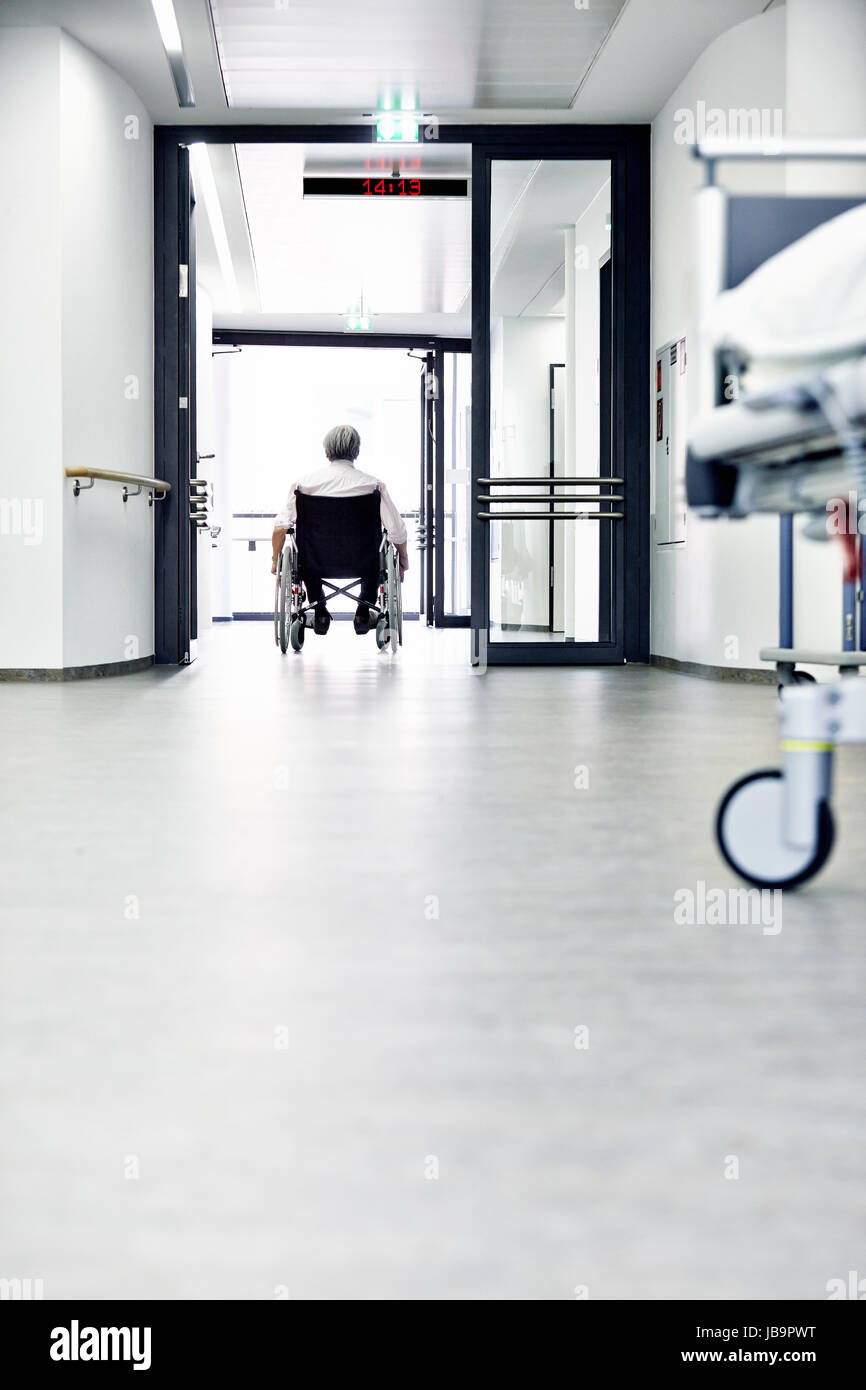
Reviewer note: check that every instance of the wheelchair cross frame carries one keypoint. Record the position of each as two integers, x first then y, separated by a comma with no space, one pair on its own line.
293,615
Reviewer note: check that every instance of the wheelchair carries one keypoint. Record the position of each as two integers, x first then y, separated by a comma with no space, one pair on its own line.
341,537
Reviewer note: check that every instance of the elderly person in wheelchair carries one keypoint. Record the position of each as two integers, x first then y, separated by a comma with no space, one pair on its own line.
340,524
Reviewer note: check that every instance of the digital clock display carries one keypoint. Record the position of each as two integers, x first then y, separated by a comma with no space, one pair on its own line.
382,186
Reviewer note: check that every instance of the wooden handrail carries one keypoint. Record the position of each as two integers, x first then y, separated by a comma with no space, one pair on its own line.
109,475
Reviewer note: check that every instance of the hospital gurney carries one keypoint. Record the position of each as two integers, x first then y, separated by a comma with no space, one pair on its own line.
792,441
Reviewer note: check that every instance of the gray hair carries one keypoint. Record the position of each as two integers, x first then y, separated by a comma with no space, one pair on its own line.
342,442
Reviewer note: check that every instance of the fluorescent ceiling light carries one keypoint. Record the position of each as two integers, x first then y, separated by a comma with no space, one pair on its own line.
205,187
166,22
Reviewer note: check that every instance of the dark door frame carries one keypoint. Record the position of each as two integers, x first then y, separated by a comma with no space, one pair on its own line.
627,147
174,403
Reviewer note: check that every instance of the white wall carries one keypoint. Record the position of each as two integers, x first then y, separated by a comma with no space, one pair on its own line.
107,363
826,86
722,583
76,359
31,575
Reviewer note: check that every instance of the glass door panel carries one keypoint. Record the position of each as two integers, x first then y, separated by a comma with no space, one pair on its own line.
550,499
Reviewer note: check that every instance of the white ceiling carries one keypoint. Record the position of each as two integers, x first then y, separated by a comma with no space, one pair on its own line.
470,59
310,61
450,54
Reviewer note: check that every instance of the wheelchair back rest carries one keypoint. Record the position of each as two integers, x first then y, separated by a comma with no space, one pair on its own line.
338,537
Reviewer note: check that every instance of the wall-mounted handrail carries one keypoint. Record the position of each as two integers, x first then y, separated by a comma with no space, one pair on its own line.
157,487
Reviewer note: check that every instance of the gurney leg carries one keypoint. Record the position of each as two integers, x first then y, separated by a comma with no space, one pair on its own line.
775,828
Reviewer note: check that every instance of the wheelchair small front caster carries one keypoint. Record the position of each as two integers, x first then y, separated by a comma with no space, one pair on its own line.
383,634
749,826
796,678
296,634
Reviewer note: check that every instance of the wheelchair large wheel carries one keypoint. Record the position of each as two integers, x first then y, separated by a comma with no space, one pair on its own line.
395,608
284,606
749,834
277,587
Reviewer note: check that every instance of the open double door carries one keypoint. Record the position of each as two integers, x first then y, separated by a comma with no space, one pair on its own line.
533,518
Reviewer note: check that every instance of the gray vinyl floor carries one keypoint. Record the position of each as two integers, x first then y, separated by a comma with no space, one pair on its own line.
296,952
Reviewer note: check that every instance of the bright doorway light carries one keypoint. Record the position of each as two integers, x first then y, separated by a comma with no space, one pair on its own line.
206,189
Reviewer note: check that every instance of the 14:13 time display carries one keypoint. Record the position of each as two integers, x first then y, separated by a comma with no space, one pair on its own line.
403,188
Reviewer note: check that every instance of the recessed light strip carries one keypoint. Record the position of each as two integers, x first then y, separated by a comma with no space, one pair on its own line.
166,22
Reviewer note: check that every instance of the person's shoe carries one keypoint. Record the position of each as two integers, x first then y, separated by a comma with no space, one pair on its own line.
362,619
321,619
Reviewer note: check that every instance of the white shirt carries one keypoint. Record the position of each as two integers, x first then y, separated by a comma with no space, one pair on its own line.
342,479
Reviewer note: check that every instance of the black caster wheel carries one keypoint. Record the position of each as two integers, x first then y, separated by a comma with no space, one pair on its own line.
296,634
749,834
383,634
797,678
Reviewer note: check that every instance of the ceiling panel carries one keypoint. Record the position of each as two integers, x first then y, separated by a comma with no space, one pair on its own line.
465,57
451,54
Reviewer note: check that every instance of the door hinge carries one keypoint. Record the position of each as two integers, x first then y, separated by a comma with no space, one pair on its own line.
183,289
553,398
183,402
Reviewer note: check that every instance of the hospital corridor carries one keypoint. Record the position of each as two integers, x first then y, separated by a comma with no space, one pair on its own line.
432,490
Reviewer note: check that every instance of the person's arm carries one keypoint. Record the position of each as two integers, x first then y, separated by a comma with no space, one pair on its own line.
283,521
277,540
395,526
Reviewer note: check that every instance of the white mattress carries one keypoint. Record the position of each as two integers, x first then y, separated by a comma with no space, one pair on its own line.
808,301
